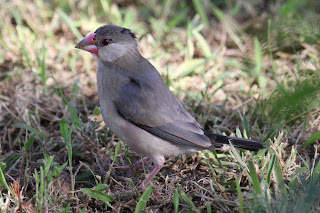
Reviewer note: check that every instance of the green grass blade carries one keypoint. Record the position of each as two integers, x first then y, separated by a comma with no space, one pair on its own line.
187,199
236,155
42,184
204,46
87,166
271,163
218,12
116,151
73,112
279,179
43,70
176,200
66,210
254,178
64,128
315,174
239,192
200,10
208,207
311,140
3,181
31,129
38,195
69,23
258,57
143,200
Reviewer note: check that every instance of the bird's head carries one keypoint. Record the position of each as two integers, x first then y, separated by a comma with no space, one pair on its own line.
109,43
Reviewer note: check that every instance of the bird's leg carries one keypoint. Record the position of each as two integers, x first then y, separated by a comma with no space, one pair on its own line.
136,164
151,175
139,163
123,168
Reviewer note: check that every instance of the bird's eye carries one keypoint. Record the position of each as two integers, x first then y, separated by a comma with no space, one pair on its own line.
105,42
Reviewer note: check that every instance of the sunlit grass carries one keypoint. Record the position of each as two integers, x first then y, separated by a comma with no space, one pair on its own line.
238,71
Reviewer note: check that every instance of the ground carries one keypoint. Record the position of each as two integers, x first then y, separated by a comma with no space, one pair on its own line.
247,69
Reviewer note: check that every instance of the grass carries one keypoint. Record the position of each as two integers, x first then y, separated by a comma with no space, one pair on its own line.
245,68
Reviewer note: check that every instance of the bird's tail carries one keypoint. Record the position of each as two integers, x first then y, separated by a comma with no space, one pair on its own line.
241,143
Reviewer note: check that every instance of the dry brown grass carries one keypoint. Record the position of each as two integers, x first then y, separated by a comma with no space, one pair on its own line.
230,100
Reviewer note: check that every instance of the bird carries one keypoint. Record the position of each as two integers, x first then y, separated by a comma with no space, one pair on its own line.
140,109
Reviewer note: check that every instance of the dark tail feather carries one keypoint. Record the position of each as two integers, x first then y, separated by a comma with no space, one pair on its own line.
241,143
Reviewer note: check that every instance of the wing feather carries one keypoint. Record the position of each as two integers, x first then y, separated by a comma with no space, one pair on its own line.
156,110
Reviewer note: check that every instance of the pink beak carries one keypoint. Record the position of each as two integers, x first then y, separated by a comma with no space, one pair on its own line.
88,44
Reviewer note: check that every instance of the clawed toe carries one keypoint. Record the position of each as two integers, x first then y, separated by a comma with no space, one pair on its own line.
140,164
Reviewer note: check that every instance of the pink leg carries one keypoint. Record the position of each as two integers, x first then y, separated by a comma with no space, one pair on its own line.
124,168
138,164
151,175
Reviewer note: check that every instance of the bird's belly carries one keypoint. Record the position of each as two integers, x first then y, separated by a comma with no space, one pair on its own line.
144,143
139,140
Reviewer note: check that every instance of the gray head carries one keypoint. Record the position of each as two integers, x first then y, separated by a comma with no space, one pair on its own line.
115,34
109,43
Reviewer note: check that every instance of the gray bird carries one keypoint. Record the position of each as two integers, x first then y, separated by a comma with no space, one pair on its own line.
139,108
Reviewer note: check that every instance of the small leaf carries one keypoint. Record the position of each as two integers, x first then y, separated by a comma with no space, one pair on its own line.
245,124
64,128
116,151
262,81
2,165
238,133
47,165
29,143
56,172
96,111
97,195
101,187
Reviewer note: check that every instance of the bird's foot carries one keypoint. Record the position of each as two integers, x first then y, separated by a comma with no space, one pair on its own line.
140,164
156,169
